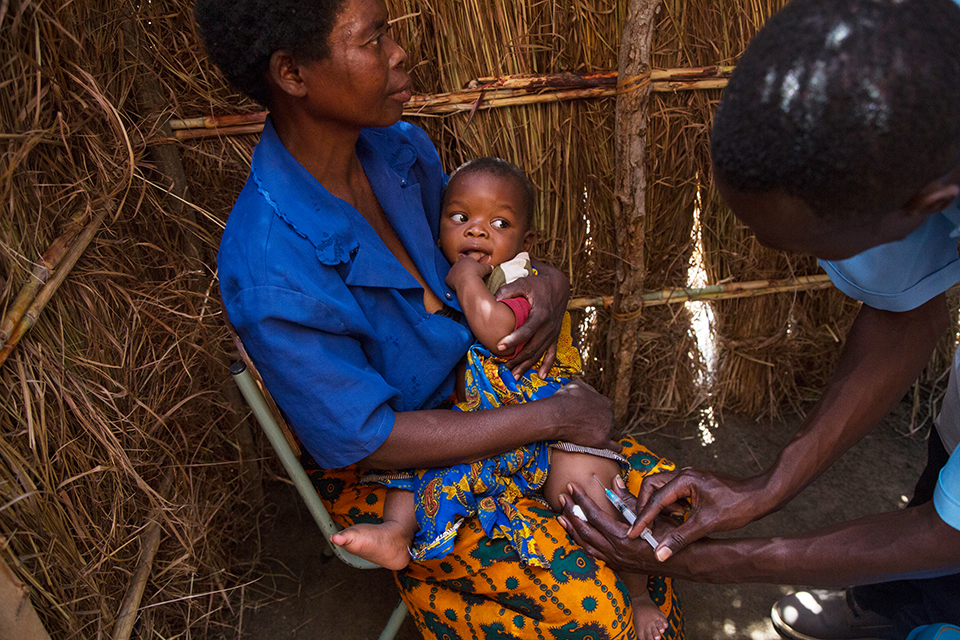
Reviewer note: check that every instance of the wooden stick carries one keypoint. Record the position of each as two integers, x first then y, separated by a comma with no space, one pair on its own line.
149,543
492,93
46,293
18,618
726,291
629,199
41,271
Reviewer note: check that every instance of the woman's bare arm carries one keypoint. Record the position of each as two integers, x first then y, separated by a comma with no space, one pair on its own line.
577,413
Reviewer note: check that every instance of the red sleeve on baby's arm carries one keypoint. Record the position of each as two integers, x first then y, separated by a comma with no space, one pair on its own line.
521,309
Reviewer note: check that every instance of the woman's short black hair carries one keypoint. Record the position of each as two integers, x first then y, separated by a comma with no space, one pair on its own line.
502,169
849,105
241,35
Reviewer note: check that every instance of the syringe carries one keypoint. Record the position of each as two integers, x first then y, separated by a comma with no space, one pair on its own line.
628,514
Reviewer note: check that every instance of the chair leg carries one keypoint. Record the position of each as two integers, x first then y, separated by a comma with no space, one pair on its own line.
393,624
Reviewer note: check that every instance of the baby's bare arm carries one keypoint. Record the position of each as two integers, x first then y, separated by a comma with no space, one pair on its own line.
489,320
567,467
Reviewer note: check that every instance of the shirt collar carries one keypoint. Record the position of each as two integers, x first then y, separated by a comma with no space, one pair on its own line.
952,212
304,204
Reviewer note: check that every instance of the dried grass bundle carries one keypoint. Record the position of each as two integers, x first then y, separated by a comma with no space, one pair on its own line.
118,383
770,349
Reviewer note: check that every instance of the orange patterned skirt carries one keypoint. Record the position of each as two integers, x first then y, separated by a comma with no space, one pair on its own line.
482,590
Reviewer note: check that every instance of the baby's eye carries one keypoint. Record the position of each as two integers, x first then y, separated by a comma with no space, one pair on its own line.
500,224
458,217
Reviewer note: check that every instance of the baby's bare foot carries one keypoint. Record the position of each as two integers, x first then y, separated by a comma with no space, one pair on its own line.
648,621
385,544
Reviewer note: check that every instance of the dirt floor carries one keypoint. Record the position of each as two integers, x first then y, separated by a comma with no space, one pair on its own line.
321,599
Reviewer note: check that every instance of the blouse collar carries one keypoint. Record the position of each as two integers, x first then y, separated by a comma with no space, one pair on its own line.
303,203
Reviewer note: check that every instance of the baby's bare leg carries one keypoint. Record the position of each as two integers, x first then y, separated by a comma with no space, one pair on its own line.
388,543
648,621
565,467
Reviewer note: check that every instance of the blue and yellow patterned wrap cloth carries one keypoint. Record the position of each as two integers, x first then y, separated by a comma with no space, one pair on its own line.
490,488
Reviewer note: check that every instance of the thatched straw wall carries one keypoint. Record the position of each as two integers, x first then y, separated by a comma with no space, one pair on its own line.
112,413
119,427
760,365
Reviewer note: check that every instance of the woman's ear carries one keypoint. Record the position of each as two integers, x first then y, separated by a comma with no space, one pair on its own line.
284,72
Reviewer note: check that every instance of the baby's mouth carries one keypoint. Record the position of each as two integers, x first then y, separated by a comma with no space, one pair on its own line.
476,254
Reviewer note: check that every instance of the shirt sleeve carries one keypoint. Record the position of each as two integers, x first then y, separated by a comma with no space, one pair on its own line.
520,308
946,495
901,275
334,400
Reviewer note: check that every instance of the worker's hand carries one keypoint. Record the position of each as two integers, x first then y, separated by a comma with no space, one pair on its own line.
715,503
547,292
605,537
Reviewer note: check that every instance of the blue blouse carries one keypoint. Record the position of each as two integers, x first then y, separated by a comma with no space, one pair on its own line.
335,323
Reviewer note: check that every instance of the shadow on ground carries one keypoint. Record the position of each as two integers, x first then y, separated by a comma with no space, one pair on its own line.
320,598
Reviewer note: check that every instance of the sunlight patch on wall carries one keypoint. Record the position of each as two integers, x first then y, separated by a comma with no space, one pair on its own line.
702,323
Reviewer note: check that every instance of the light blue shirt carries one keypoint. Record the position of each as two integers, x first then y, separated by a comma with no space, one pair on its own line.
903,275
946,495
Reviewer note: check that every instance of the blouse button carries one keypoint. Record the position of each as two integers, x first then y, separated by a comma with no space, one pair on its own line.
448,295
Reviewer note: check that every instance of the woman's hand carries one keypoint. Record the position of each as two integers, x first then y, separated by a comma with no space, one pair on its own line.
584,416
716,503
547,293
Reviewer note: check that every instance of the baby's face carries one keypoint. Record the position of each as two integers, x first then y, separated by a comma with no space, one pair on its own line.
483,218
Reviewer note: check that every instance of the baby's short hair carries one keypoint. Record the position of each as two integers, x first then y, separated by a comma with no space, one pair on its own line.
502,169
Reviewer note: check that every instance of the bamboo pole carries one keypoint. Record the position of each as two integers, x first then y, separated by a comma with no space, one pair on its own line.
727,291
18,618
41,272
152,104
493,93
46,293
190,134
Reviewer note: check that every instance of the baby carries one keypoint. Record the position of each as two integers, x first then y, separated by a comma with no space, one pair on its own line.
485,232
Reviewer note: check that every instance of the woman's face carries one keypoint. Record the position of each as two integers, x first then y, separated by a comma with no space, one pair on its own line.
483,218
363,82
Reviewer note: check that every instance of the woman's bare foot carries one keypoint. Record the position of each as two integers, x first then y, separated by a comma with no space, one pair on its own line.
386,544
648,621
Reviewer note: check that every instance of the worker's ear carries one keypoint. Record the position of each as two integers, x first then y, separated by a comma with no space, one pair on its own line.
934,197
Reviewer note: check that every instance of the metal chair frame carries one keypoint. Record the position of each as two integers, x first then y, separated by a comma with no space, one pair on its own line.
265,410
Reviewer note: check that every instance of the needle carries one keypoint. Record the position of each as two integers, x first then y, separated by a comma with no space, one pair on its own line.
628,514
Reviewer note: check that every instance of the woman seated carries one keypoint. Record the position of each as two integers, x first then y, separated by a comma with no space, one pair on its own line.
330,272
